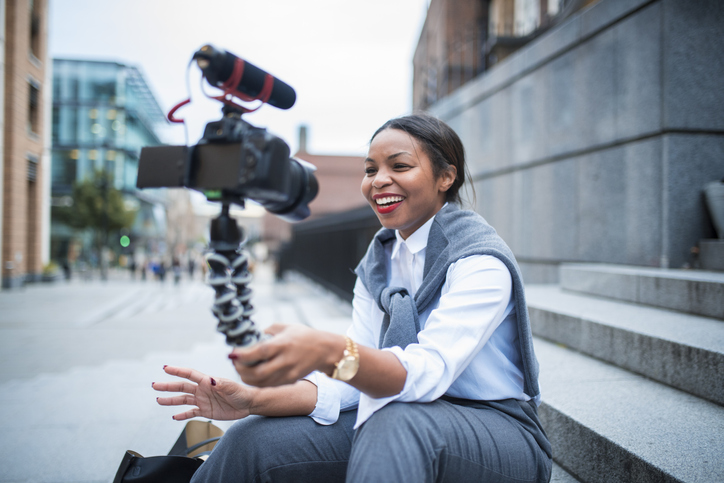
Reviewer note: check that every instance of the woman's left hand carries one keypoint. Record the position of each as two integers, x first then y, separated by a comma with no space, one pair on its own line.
213,398
293,352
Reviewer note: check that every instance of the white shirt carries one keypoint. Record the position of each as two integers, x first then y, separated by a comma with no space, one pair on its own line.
467,346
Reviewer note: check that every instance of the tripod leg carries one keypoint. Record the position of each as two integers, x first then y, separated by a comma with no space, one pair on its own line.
232,304
229,277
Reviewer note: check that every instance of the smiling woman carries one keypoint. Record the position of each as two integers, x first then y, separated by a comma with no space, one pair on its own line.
436,378
402,184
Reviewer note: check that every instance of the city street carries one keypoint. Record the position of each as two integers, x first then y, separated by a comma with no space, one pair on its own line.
77,361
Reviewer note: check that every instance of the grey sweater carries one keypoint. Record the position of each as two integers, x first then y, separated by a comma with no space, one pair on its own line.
454,234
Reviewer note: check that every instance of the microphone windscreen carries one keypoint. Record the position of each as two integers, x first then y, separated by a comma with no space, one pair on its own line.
252,81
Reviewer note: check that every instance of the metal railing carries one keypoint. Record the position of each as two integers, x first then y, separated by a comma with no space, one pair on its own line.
328,249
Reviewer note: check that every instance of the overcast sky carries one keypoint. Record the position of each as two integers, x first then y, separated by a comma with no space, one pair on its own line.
350,62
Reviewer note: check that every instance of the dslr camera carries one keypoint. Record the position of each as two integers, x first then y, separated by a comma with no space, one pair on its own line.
235,160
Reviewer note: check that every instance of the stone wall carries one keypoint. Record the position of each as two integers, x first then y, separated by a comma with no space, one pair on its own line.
593,143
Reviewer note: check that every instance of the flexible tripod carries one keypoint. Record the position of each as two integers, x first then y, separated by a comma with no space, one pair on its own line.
229,276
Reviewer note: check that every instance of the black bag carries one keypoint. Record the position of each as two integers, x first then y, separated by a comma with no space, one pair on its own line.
188,453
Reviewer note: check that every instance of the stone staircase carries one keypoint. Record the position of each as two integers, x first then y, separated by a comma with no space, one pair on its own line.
632,372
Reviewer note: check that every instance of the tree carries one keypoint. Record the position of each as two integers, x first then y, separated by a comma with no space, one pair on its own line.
97,206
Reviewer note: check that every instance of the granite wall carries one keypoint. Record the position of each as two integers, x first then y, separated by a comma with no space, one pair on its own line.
593,143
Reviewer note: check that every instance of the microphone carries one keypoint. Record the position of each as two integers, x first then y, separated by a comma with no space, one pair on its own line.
219,67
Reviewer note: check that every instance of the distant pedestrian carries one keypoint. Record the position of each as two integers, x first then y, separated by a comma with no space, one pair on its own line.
191,267
176,267
162,271
132,268
66,270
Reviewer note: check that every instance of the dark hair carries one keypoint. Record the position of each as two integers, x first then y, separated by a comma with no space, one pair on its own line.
439,142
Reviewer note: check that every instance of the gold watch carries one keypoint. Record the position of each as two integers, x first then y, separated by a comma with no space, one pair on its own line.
348,366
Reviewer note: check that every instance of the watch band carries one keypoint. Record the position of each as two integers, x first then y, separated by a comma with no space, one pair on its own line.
351,349
347,367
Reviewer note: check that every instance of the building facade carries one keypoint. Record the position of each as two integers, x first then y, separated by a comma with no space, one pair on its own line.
593,143
450,51
23,129
103,114
461,39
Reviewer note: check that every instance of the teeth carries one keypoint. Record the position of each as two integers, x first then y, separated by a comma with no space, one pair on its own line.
388,200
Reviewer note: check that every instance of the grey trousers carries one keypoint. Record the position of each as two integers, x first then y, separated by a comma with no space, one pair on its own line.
441,441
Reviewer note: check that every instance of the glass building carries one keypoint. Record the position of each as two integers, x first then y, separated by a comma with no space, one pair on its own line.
103,114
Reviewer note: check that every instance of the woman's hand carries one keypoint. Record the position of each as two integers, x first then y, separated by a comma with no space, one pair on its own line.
292,353
220,399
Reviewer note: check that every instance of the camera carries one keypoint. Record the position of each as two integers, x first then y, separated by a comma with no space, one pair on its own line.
235,160
232,162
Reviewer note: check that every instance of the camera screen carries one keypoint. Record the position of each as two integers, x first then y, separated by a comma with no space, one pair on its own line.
213,167
162,167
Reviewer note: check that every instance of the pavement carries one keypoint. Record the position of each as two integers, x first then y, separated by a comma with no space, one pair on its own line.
77,360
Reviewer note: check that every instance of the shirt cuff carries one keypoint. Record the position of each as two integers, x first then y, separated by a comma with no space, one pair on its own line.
326,410
399,352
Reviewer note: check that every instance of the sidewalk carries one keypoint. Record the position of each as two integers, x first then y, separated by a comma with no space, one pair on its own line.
77,361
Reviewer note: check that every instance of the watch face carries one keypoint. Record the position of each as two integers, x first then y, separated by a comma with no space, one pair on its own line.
347,368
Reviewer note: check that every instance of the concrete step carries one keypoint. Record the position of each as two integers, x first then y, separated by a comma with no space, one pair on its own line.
559,475
691,291
681,350
609,425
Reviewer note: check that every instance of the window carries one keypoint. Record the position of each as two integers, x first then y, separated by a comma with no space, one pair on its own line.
70,121
55,133
104,90
64,169
34,107
32,168
35,22
57,92
74,88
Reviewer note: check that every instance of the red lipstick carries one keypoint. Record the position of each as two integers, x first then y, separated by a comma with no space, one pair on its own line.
388,208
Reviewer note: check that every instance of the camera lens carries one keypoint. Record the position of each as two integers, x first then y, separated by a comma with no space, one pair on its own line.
303,189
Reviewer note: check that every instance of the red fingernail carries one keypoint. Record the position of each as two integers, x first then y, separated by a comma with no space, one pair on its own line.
173,417
152,384
165,366
213,383
233,357
156,399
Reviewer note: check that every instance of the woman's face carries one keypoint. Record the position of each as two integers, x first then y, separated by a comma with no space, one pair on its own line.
399,182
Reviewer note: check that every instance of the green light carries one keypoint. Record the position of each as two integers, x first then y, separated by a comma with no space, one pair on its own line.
213,195
125,241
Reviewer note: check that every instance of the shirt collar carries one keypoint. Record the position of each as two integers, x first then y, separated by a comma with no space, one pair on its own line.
415,242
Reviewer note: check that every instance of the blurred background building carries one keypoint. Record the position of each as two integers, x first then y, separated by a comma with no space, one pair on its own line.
103,114
24,177
339,179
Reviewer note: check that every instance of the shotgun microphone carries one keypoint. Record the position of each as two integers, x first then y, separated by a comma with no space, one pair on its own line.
226,71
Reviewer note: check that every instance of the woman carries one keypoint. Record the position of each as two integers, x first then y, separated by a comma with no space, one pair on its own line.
436,379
